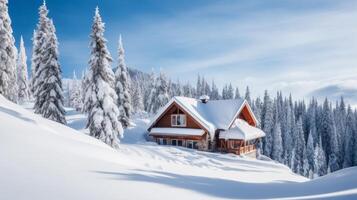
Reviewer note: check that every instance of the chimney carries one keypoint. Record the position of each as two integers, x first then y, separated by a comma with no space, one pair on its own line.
204,98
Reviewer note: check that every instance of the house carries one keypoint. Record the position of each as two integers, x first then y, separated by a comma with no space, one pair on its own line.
208,125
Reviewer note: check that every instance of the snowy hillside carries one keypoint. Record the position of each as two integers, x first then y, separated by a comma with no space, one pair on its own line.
41,159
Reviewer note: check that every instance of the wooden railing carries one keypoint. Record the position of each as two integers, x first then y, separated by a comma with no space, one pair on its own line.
242,150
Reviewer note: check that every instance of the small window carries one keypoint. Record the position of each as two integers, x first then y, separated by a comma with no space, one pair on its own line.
164,141
174,142
195,145
178,120
179,143
160,141
189,144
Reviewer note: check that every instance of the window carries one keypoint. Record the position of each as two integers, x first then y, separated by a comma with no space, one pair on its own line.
189,144
179,143
159,140
174,142
178,120
164,141
192,144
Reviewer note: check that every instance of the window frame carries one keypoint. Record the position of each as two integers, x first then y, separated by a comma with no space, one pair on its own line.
174,120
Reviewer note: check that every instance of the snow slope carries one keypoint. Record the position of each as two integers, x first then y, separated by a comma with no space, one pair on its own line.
41,159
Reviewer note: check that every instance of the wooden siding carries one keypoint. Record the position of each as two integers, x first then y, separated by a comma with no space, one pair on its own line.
247,116
165,120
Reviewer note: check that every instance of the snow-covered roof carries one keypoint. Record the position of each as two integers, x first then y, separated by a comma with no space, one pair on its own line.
242,130
177,131
212,115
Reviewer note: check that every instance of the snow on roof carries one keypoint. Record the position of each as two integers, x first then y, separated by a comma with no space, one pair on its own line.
215,114
242,130
177,131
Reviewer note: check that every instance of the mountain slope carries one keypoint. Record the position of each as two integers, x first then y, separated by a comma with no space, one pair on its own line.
41,159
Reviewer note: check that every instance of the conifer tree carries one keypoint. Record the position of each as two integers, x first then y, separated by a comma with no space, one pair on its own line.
22,75
268,124
100,97
38,42
320,166
247,95
75,97
137,99
349,140
160,94
8,84
237,94
48,81
122,88
277,146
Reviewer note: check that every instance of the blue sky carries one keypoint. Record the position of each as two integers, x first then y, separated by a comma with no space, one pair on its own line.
293,46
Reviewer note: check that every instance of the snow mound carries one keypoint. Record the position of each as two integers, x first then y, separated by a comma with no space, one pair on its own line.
41,159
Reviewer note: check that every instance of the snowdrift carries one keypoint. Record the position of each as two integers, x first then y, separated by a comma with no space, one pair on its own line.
41,159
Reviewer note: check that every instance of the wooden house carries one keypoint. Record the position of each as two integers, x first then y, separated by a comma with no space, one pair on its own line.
208,125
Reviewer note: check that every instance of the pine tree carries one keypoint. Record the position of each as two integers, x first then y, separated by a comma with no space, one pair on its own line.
237,94
48,82
230,91
122,88
333,161
348,144
8,84
299,147
75,96
187,90
160,94
214,92
198,87
268,124
39,40
247,95
22,75
100,97
320,166
277,146
149,92
310,151
137,99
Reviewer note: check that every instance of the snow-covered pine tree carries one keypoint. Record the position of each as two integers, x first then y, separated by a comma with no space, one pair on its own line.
100,97
230,91
160,94
198,87
122,87
320,167
187,90
333,161
277,146
268,124
299,147
149,89
224,92
22,75
214,92
8,84
38,40
137,99
75,97
310,151
247,95
349,140
237,94
48,81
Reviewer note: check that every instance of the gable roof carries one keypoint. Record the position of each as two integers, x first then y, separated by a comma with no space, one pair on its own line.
213,115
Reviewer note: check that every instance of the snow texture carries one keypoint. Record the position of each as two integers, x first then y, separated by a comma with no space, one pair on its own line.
177,131
241,130
41,159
